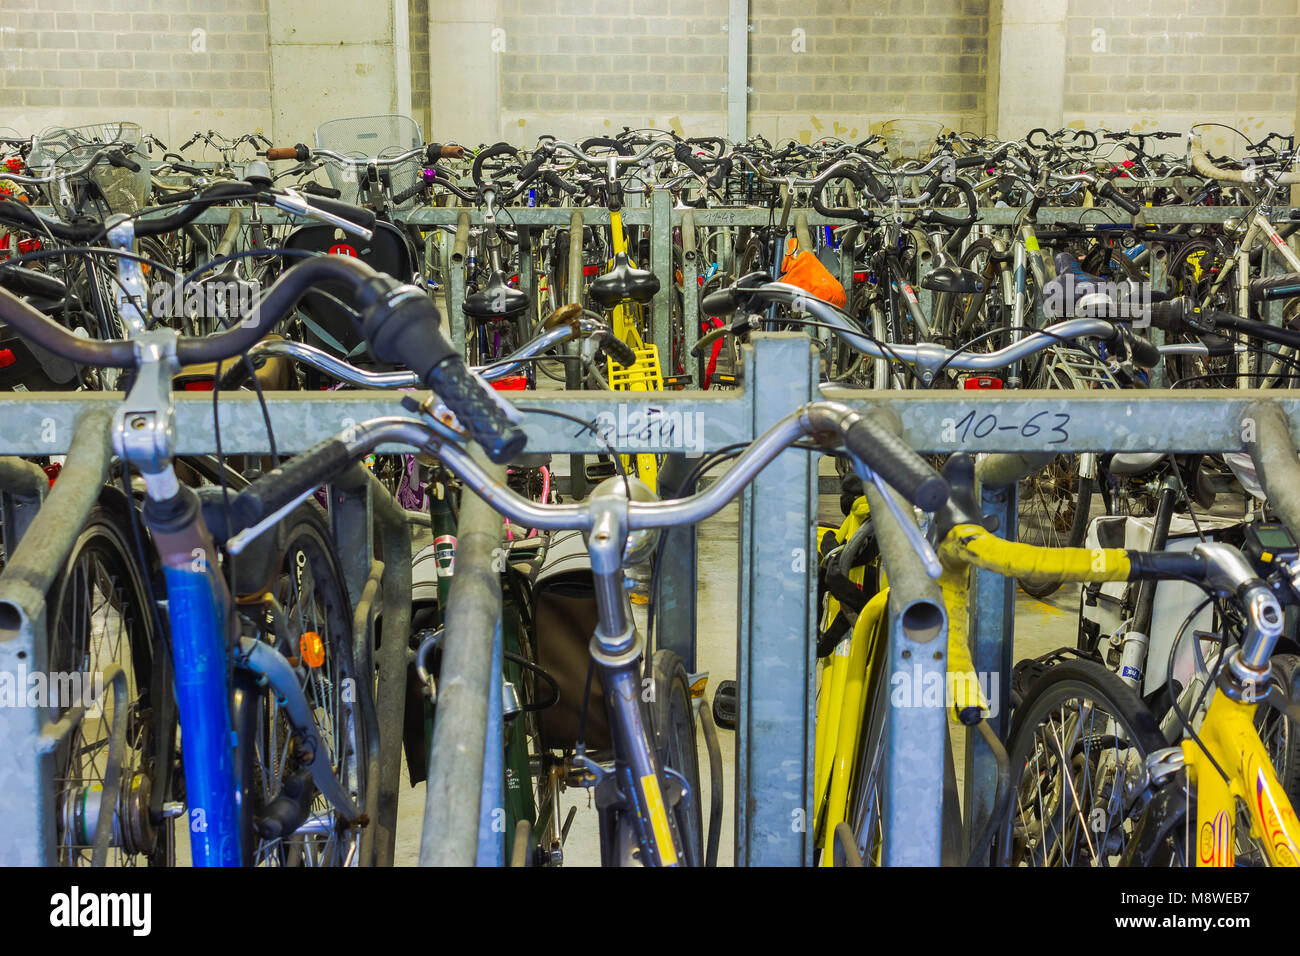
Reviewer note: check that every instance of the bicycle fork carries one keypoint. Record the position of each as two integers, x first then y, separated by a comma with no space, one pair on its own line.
639,785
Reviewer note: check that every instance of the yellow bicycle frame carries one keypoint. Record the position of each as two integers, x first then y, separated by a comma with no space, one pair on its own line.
1228,730
625,324
1229,735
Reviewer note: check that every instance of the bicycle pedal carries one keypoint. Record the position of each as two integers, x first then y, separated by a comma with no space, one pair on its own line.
677,381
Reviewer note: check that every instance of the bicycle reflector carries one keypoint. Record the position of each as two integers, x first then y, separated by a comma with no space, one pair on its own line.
312,648
981,382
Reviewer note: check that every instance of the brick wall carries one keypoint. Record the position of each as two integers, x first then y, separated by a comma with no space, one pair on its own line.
844,67
580,67
1170,63
69,62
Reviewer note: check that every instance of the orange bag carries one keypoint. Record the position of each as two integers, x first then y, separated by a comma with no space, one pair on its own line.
805,270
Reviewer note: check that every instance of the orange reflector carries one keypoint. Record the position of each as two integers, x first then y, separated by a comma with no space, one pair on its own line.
313,649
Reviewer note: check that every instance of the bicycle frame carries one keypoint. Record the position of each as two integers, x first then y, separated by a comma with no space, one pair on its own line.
1232,742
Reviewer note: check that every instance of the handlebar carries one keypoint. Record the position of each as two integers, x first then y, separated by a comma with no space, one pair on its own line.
400,323
830,423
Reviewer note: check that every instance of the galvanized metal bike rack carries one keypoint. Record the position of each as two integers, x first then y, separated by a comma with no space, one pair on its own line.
776,621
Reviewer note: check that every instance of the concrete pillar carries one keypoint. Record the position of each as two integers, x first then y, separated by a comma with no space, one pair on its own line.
331,59
466,43
1026,78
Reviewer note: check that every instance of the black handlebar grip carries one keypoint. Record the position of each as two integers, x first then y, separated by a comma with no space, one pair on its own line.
604,142
1107,191
618,350
968,194
313,188
1168,316
1269,288
687,158
1029,138
187,168
121,161
500,149
476,406
365,218
268,494
894,460
555,181
410,193
1142,352
721,302
970,162
720,173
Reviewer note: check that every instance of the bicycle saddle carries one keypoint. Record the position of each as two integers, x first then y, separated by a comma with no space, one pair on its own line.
623,282
1135,462
496,300
952,279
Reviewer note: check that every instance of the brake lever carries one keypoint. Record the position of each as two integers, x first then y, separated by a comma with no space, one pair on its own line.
915,538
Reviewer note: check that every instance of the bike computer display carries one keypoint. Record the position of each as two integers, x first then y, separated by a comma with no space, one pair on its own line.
1268,543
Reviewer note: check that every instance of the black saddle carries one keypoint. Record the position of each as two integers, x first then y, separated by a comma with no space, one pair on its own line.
952,279
623,282
496,300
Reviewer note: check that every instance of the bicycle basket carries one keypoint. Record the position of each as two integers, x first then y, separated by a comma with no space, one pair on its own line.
67,148
364,138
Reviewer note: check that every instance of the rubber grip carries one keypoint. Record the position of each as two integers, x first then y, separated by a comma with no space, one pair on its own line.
720,173
1108,191
971,162
311,188
186,168
1142,352
280,152
1270,288
475,405
313,468
618,350
121,161
555,181
722,302
687,158
894,460
365,218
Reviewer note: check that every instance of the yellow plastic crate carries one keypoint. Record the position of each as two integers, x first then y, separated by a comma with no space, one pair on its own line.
643,376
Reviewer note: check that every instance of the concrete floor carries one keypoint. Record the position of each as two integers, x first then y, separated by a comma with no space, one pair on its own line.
1041,626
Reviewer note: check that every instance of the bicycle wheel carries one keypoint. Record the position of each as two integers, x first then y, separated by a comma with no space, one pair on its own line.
100,613
307,615
1278,732
672,717
1078,747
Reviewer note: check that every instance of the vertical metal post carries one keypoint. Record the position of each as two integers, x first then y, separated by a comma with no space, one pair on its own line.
460,732
991,627
27,811
661,261
776,658
456,283
916,726
675,604
737,70
690,285
491,814
572,370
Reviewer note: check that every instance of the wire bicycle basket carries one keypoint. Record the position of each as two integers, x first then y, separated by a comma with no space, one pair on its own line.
367,138
69,147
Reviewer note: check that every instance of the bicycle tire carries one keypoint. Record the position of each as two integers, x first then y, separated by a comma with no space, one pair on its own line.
313,597
1063,683
672,718
149,769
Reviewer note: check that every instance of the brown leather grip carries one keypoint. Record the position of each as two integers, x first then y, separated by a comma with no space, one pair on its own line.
282,152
